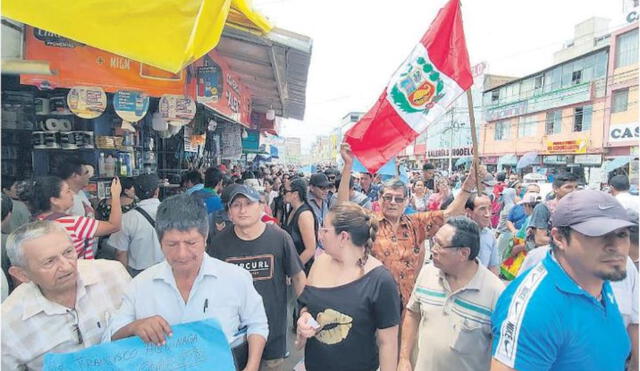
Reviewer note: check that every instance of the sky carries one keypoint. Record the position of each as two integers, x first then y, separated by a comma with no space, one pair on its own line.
358,44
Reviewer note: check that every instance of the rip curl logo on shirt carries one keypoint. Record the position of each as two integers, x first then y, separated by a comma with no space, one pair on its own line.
335,326
419,88
260,266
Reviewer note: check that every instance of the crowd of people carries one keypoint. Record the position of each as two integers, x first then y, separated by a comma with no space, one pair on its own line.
472,271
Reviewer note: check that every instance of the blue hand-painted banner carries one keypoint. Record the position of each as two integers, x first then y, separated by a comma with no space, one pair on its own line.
195,346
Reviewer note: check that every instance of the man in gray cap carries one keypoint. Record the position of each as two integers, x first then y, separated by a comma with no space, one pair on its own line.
268,253
562,314
136,244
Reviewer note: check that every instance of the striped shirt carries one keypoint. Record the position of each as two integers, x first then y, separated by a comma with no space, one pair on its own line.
32,325
81,230
455,326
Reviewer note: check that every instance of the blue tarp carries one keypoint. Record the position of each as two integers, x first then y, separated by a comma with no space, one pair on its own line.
195,346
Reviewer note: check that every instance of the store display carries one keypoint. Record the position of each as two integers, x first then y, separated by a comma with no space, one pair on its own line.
58,105
38,139
68,140
51,139
42,106
87,102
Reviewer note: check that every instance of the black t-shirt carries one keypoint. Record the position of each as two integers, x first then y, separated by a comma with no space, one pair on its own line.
294,231
350,314
269,258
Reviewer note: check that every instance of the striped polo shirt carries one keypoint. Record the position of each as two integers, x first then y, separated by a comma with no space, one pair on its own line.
455,326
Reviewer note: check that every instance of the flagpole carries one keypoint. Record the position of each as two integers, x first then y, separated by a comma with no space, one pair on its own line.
474,138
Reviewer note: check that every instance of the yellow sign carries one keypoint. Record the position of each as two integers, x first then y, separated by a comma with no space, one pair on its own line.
568,146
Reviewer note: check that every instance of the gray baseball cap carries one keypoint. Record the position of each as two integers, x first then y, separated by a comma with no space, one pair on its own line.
590,212
246,191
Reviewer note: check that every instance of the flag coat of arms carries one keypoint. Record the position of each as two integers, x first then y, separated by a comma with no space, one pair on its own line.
434,75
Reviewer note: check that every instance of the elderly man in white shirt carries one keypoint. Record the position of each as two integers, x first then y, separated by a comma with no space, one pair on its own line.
63,304
190,286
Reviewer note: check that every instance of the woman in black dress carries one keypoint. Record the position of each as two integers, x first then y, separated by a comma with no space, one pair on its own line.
351,306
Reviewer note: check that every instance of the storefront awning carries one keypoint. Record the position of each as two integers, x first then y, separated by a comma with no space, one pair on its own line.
509,160
167,34
274,67
616,162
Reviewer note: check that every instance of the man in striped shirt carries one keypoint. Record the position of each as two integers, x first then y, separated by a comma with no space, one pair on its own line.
451,304
64,303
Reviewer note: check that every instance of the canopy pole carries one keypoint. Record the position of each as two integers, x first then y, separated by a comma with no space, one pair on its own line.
474,138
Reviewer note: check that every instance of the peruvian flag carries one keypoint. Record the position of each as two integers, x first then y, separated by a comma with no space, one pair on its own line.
436,73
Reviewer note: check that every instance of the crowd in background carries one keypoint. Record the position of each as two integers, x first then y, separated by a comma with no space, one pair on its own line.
398,253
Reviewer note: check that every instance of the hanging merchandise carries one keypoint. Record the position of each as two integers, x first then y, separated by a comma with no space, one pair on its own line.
231,142
130,105
177,110
87,102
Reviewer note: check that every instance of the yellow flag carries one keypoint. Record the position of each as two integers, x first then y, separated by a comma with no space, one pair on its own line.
167,34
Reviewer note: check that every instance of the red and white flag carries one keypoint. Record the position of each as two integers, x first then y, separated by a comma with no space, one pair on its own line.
436,73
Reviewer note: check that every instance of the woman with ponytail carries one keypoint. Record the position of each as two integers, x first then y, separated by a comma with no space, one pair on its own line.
351,305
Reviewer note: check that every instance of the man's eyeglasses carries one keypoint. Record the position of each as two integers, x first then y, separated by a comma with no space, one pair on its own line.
434,245
396,199
76,325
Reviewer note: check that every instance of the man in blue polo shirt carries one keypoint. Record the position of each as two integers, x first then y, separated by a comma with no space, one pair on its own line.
562,314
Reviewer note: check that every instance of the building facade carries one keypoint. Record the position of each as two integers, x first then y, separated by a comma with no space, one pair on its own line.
576,114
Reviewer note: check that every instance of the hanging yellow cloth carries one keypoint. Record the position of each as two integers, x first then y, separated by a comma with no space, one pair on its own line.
167,34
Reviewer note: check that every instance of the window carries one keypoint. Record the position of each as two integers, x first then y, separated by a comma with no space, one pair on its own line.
495,96
538,82
554,122
502,130
527,126
576,77
627,49
582,118
620,100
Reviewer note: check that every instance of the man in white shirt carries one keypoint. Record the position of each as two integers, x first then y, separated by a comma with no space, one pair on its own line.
620,190
137,246
77,175
190,286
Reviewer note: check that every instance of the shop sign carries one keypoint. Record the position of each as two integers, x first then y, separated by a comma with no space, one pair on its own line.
554,160
491,160
568,146
177,109
455,152
79,64
218,88
588,159
624,132
130,105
